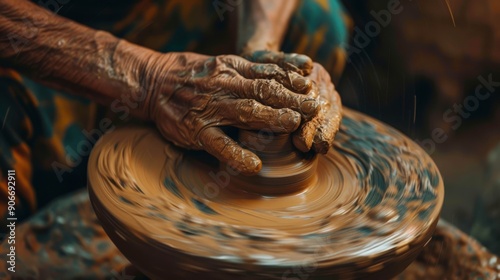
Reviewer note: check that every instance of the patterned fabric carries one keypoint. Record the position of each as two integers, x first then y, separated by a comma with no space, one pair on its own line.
42,130
319,29
46,135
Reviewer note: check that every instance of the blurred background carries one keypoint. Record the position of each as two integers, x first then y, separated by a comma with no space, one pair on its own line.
432,70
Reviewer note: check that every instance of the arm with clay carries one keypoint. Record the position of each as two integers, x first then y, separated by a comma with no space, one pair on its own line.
188,95
261,28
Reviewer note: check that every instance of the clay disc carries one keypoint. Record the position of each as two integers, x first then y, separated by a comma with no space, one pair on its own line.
176,215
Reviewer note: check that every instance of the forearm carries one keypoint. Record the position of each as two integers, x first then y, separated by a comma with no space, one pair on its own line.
262,24
67,56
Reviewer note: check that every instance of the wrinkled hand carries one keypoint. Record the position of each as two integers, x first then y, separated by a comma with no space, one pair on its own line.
298,63
319,132
192,95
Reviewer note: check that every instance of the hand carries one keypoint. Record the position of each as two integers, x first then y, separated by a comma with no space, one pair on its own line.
298,63
319,132
192,95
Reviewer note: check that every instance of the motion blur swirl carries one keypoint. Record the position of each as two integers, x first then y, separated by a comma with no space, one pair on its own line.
372,204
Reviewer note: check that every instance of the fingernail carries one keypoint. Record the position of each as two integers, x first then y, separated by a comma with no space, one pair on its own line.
251,165
289,120
300,83
309,107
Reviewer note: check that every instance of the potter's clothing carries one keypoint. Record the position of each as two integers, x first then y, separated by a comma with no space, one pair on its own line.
46,134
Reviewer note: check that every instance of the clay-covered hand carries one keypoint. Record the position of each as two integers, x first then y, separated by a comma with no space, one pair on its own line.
191,96
320,132
298,63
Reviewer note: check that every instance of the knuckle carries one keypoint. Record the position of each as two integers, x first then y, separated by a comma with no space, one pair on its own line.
273,68
276,88
246,109
229,57
224,73
222,63
261,89
211,84
232,60
265,70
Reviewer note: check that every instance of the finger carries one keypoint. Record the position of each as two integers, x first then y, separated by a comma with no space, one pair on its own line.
299,63
274,94
313,91
289,79
303,138
320,132
326,131
226,150
314,135
250,114
323,139
330,116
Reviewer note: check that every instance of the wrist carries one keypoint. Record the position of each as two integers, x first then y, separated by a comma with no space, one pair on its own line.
263,42
262,24
137,67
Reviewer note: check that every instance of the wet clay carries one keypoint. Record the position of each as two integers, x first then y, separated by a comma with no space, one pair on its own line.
65,240
285,170
373,203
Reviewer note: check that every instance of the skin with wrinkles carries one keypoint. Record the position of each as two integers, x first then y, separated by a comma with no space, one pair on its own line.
288,167
260,34
189,96
206,93
320,132
228,91
299,63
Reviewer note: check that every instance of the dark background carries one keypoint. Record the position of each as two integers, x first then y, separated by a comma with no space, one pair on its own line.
425,60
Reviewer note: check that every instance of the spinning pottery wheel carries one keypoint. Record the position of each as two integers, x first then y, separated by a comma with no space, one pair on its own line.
363,210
